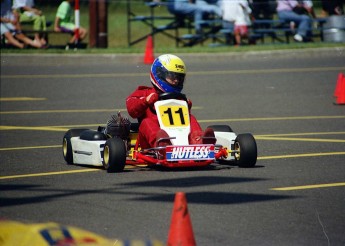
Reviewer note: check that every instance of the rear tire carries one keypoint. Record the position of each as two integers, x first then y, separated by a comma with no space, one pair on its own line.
67,146
114,155
245,144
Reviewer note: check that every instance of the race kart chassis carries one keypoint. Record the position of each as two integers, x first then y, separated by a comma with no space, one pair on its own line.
113,152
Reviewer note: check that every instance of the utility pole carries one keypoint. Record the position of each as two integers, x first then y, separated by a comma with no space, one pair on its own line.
98,16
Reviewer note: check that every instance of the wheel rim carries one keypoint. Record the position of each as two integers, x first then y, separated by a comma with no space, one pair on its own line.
237,151
106,155
64,147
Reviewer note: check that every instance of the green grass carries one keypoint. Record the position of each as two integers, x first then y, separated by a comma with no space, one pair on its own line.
117,34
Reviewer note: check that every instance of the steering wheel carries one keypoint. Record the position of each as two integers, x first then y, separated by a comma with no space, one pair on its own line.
169,95
172,95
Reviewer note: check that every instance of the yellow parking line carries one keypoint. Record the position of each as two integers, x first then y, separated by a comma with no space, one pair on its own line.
300,134
299,155
275,118
130,167
47,174
33,128
304,187
63,111
60,172
203,73
72,111
301,139
31,147
11,99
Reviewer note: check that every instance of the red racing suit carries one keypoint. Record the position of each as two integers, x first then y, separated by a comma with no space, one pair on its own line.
138,108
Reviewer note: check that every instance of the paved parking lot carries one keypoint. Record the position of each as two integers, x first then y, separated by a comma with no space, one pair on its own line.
294,196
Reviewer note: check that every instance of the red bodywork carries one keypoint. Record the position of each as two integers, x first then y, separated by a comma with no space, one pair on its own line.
139,157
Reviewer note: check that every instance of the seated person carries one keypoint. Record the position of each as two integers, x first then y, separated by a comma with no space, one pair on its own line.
334,7
263,10
64,21
286,12
167,75
10,28
29,14
198,9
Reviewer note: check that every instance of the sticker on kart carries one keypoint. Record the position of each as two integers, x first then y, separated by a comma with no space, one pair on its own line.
190,152
174,116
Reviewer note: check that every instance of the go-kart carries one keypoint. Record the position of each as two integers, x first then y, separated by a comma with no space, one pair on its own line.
114,151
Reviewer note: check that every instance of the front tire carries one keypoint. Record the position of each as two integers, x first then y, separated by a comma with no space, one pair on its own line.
114,157
67,146
246,148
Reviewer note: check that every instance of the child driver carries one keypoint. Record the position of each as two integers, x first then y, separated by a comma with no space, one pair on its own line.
167,74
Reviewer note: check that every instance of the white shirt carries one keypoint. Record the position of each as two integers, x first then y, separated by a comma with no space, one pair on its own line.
21,3
236,11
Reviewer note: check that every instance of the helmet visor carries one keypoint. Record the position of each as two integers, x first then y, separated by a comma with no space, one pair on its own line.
172,78
175,79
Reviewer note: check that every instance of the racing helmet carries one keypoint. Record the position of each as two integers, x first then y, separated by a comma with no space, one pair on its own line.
168,73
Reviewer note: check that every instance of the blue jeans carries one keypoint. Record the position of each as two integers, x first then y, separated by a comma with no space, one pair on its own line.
198,9
304,22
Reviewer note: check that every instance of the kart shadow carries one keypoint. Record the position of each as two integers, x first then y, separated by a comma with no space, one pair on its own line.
218,198
212,167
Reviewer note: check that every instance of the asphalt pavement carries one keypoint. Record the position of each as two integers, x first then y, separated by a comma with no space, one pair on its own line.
295,195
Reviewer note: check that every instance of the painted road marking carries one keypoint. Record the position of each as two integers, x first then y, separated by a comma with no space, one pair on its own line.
71,111
299,155
199,73
47,174
14,99
276,118
95,169
64,111
305,187
131,167
33,128
301,139
31,147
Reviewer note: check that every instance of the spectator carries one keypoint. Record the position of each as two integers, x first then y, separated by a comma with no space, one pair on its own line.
64,21
198,9
263,9
237,12
295,12
308,5
11,30
167,76
28,13
334,7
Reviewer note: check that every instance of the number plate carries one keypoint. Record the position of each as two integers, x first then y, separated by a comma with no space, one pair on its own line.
190,152
174,116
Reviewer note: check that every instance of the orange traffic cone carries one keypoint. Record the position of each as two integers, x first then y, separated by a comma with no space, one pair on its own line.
338,85
181,231
149,57
340,100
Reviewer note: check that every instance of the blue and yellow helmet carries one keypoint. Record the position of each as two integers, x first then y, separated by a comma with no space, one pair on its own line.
168,73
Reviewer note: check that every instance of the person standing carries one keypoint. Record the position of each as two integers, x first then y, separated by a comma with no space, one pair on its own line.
237,12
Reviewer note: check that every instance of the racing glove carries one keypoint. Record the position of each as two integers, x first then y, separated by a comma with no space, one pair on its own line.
152,98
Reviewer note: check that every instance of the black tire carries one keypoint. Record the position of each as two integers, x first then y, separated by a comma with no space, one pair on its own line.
67,146
246,145
221,128
114,155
